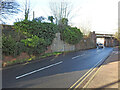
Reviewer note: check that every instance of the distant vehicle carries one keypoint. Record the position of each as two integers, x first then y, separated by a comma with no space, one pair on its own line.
100,45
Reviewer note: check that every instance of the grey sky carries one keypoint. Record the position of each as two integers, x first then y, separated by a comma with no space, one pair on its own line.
100,15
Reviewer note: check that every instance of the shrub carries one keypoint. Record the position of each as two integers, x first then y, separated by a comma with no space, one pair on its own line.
71,35
42,30
38,35
8,45
34,45
11,47
34,37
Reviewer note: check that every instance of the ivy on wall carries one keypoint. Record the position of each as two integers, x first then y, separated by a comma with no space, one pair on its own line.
71,35
38,36
33,37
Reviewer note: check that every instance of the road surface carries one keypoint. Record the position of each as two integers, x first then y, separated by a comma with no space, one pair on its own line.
61,72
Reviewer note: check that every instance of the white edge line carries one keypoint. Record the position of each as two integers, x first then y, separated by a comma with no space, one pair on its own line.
38,70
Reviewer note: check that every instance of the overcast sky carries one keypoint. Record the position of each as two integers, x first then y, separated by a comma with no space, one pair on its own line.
100,15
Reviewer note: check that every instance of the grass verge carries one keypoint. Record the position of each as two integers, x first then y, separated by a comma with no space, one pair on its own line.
27,60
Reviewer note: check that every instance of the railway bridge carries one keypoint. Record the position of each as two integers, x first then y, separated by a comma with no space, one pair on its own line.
109,39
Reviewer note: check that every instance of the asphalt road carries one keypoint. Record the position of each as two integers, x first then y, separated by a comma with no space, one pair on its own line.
61,72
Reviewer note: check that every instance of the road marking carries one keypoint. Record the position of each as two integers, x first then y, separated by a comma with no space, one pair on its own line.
38,70
87,72
84,79
92,77
91,70
80,79
77,56
90,73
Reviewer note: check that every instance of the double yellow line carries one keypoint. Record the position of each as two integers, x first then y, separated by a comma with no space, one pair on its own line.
92,77
81,80
84,78
77,84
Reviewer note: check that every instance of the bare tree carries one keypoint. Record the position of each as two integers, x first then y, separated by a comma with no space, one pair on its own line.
61,9
27,9
85,28
8,7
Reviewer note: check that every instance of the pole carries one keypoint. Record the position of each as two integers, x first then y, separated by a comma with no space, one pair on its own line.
33,15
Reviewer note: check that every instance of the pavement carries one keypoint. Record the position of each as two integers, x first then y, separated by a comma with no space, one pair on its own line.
62,72
107,75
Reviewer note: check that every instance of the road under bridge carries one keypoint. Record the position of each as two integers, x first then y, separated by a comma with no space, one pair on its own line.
109,39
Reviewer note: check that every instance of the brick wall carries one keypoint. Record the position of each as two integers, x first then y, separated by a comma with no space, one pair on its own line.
85,43
59,45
